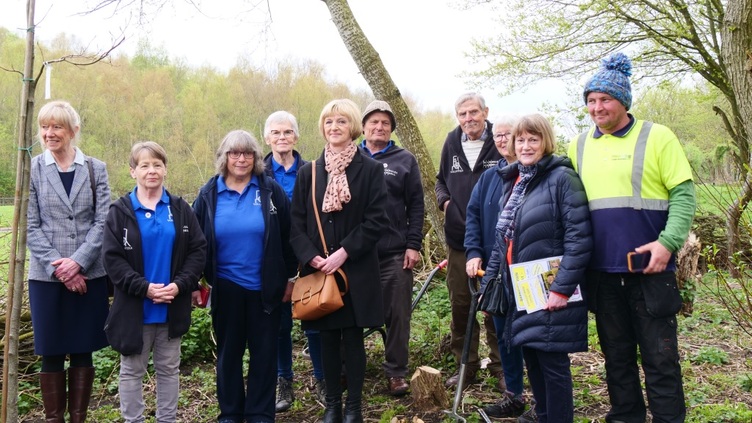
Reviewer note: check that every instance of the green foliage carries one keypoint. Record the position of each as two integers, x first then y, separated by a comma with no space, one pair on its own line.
711,355
745,382
198,344
728,412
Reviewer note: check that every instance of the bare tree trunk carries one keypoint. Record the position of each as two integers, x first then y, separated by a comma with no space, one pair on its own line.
9,411
736,52
383,87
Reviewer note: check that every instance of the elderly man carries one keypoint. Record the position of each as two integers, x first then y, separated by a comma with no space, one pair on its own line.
399,247
642,200
468,151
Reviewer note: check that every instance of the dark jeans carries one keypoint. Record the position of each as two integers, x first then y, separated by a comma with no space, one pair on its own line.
240,321
624,323
344,343
511,359
551,381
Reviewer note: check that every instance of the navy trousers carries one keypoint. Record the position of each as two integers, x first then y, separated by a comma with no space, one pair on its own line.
240,321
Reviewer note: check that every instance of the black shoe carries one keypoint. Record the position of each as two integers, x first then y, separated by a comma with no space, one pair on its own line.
528,416
285,397
509,406
333,413
319,391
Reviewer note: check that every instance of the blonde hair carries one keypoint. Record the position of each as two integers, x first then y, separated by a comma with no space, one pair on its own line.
63,114
344,107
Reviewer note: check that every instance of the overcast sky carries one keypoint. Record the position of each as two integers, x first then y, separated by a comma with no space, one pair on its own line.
421,42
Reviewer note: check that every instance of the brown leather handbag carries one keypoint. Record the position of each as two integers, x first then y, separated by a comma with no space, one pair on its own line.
317,294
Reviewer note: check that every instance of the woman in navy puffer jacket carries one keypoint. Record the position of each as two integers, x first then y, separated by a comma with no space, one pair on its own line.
545,214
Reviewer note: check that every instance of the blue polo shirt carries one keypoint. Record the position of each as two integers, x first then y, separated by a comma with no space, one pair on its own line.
239,230
157,238
389,145
286,178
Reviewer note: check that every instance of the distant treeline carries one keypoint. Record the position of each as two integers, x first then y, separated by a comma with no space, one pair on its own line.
188,110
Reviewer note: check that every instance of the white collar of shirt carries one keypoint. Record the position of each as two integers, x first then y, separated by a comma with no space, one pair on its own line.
80,160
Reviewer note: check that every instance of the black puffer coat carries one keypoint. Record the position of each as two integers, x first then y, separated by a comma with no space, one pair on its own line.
553,220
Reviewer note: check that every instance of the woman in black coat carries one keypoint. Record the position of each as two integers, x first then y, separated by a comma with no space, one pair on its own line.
545,215
350,196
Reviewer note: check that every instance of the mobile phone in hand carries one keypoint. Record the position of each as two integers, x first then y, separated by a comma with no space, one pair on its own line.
637,262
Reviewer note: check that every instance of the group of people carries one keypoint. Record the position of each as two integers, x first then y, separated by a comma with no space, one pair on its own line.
250,232
253,230
625,188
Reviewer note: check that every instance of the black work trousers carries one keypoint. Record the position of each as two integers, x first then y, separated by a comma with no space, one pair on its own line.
640,310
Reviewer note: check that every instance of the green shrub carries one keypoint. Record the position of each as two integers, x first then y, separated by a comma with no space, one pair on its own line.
198,344
720,413
711,355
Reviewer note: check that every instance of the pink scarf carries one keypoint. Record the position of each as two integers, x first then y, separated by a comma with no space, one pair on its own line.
337,189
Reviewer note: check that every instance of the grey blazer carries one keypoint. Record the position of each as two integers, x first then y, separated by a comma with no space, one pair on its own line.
59,226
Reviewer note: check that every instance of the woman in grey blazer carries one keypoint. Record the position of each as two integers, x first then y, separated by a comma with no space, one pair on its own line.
69,197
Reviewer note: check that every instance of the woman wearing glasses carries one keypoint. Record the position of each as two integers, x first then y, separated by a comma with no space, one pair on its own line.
245,216
480,235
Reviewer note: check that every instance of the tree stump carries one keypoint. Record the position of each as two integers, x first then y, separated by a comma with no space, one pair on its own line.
686,272
428,390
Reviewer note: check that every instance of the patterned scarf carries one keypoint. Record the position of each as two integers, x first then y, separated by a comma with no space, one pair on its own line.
337,189
505,225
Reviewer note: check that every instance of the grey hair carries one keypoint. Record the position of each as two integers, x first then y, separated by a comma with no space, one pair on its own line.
470,96
505,120
239,140
281,116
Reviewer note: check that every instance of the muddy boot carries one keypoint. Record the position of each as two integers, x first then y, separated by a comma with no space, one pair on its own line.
80,380
53,396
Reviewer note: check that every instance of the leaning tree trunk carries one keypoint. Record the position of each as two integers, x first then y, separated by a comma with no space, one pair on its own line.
9,410
373,70
736,52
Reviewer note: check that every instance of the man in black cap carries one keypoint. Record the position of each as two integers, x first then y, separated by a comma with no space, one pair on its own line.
399,247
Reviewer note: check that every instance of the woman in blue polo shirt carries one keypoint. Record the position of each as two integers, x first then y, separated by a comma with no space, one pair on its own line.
154,252
245,216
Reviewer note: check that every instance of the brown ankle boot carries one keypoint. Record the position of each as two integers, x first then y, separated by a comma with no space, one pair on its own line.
80,380
53,396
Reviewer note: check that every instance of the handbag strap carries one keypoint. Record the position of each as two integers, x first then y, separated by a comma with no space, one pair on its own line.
318,222
93,186
315,207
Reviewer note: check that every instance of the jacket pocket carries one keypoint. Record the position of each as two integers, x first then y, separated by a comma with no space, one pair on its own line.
662,298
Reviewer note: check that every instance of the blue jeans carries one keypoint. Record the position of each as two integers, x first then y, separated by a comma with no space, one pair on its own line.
511,359
284,347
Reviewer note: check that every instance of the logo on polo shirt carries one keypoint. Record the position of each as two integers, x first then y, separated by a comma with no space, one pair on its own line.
169,214
257,200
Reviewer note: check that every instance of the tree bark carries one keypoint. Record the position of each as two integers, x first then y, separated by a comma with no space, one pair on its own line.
383,87
428,391
736,53
17,260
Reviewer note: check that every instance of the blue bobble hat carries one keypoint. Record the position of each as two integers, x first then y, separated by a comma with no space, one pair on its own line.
613,79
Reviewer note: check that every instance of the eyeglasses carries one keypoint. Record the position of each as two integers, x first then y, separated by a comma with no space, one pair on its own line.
236,154
499,137
288,133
